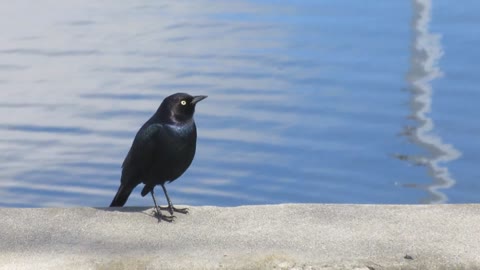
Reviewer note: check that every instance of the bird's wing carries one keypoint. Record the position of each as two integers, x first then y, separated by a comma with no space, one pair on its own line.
142,153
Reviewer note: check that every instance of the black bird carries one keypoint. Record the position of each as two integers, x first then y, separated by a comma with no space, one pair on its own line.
161,152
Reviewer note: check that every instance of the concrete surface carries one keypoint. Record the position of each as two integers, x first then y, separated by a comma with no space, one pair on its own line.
292,236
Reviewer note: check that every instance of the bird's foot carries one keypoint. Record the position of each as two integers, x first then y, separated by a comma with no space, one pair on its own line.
172,209
161,217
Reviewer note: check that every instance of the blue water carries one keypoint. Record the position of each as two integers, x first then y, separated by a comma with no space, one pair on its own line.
309,101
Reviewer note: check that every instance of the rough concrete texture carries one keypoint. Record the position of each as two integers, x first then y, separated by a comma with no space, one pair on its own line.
290,236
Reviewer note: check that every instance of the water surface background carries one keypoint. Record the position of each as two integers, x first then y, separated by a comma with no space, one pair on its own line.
309,101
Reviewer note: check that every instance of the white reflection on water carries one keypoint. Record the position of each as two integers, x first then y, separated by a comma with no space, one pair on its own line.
426,52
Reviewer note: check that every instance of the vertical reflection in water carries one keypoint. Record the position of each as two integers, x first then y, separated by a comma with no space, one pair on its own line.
426,51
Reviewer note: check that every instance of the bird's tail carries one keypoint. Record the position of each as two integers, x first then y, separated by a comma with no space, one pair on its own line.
122,195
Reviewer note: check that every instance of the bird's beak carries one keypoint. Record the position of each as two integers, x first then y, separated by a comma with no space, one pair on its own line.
196,99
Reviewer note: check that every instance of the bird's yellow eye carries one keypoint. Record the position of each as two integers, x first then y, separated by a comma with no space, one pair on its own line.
183,102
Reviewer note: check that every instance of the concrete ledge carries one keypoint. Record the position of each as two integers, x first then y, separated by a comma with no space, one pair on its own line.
293,236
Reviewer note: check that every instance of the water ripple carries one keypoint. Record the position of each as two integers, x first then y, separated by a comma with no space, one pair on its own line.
304,101
51,53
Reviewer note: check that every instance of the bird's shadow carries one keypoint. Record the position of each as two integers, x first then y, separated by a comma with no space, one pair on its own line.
124,209
149,211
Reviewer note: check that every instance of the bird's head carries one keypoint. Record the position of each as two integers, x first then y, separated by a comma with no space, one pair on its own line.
179,107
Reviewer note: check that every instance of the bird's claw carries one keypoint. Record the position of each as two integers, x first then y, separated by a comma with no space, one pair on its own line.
181,210
174,209
161,217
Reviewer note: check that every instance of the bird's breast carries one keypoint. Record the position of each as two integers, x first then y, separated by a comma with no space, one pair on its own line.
183,131
178,150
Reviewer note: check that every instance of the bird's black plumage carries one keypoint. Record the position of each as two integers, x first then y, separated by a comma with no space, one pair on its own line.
162,150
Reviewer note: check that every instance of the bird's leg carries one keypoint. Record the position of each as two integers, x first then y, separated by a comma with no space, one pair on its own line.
170,207
158,213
